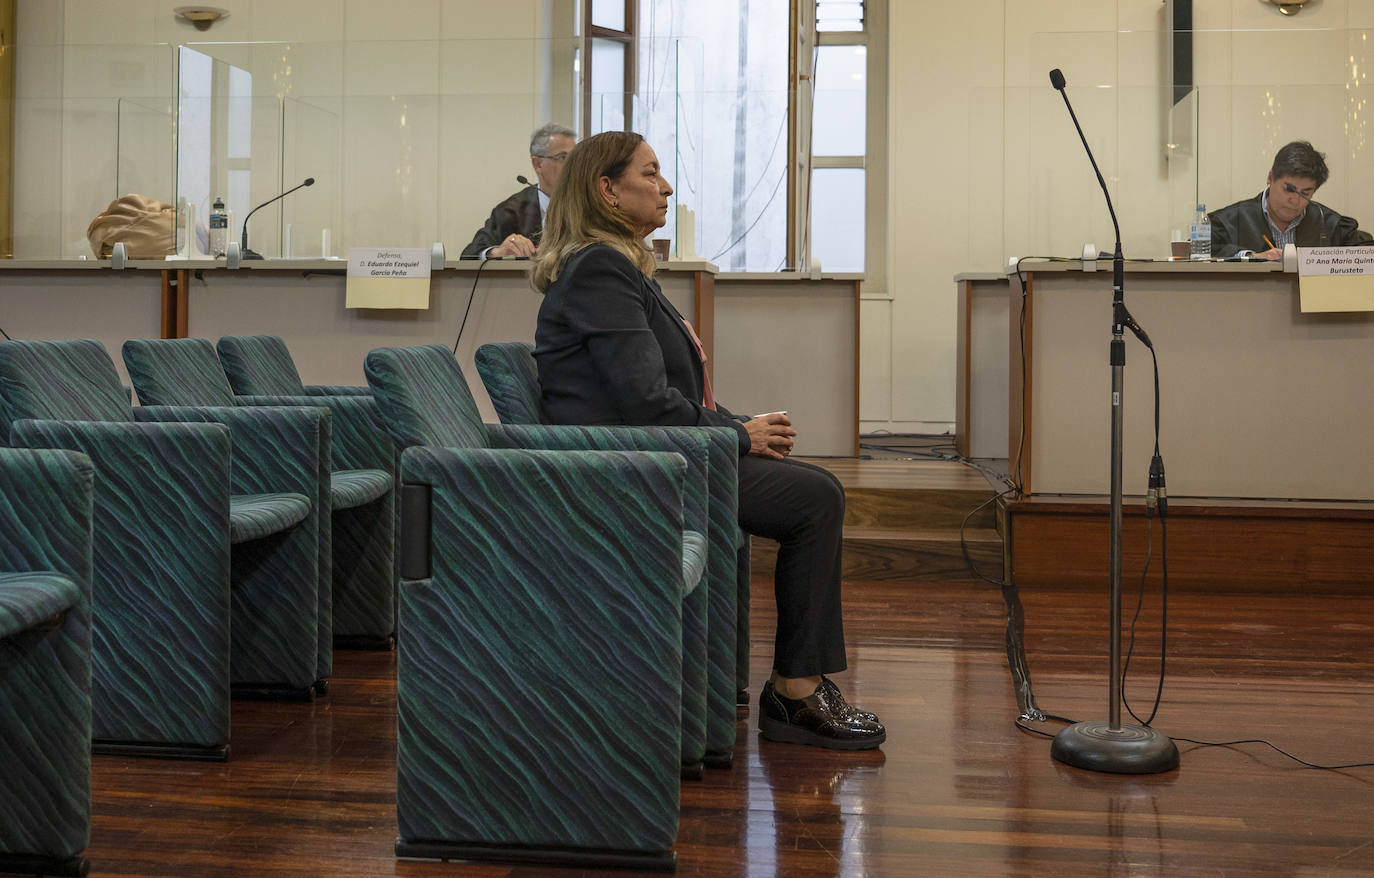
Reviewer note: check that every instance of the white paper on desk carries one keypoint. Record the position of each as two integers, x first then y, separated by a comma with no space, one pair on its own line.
1336,278
387,277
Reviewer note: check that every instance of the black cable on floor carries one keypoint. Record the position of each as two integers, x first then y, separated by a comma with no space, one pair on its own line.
1023,726
963,542
1278,750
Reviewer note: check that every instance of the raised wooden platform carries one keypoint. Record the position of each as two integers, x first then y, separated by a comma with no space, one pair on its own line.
903,518
1233,545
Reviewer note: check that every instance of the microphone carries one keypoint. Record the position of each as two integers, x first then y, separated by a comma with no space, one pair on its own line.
244,252
1121,317
538,233
1057,80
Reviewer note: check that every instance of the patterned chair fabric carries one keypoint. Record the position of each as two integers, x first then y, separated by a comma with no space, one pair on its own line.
357,533
542,591
176,371
261,365
511,378
45,653
171,496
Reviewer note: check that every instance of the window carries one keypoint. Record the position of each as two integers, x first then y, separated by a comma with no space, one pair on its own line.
839,136
759,112
609,56
714,105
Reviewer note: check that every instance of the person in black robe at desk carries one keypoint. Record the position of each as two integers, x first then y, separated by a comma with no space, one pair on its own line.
515,224
1284,213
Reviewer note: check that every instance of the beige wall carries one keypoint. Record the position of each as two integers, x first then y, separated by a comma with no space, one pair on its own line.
986,163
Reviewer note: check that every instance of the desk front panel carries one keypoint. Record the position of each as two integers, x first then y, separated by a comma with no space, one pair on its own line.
1258,400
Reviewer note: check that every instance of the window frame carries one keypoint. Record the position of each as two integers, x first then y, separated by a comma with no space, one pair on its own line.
629,38
805,39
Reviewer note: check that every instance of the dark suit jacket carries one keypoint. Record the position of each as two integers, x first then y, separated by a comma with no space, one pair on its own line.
611,349
518,214
1242,226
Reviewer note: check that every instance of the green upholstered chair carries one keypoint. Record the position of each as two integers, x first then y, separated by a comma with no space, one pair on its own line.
695,446
540,685
357,534
45,661
204,517
261,365
511,378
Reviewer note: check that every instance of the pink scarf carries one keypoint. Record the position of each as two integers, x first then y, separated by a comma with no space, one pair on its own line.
708,398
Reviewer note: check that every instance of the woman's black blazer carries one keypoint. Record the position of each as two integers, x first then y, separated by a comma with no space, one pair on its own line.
611,349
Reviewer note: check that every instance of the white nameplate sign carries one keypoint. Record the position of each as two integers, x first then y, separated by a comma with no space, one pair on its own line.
387,277
1336,278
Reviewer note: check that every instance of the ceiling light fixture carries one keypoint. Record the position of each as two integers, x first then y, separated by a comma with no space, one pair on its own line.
201,16
1289,7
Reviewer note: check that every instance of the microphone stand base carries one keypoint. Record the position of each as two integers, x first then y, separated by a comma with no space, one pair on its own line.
1131,749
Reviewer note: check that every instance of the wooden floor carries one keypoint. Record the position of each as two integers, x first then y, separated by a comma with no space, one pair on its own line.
957,790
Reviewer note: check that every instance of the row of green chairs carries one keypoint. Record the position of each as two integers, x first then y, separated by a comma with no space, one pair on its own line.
211,516
568,606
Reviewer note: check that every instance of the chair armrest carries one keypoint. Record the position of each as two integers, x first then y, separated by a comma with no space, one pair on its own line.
45,515
273,448
360,438
337,390
604,518
156,482
30,600
693,443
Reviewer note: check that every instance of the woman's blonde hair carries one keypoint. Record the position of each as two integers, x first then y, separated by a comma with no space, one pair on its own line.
578,216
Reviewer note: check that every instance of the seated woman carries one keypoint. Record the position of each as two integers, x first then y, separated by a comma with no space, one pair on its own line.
612,350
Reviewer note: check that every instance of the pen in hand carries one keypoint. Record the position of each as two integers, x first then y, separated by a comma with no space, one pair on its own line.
1269,242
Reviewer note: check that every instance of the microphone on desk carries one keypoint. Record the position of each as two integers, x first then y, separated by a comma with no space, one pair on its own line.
536,235
244,252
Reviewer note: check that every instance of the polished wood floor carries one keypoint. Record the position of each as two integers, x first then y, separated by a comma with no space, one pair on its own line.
957,790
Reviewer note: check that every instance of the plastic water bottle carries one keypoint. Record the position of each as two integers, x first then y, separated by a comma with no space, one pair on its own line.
1200,235
219,227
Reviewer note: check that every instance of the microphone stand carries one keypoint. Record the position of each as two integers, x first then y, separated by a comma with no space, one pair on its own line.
1113,746
244,251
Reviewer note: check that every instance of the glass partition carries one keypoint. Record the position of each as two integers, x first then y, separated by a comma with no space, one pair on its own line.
144,147
312,143
409,142
412,142
1032,190
669,115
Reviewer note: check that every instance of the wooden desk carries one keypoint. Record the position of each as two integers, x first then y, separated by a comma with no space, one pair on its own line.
1258,400
774,341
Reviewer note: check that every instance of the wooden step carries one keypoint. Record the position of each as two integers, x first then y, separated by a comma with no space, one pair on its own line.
918,508
905,554
903,518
